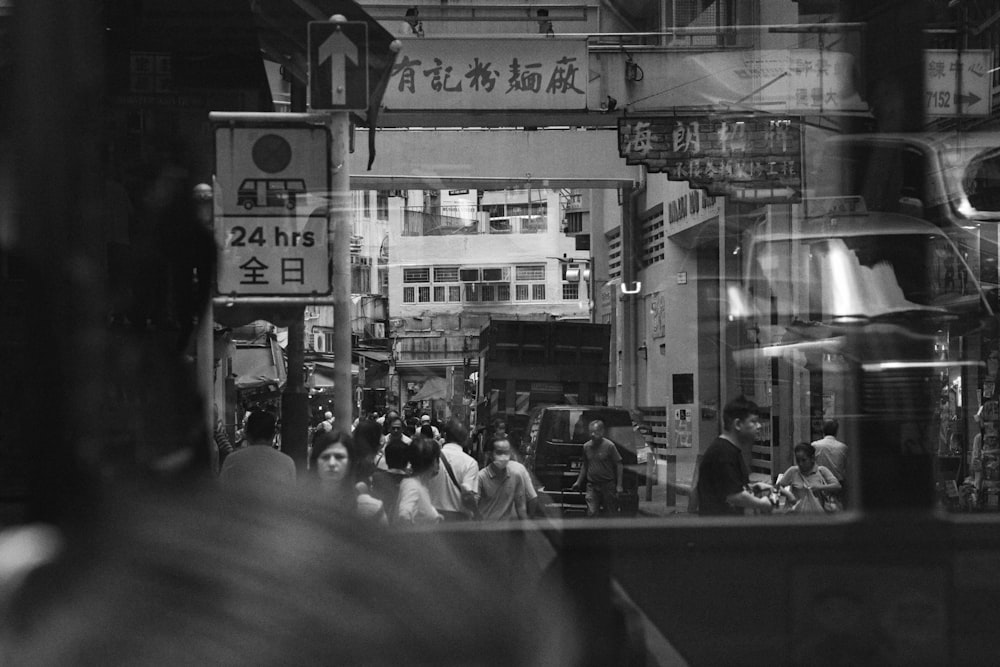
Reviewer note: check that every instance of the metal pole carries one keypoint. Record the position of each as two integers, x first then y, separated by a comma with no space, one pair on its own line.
205,363
671,481
629,357
295,397
340,254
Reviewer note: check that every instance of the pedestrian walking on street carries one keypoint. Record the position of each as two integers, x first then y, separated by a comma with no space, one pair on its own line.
600,473
414,505
336,465
259,463
832,454
501,493
367,437
723,486
388,476
394,433
458,480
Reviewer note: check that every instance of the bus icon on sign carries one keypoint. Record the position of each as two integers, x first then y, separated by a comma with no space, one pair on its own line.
269,192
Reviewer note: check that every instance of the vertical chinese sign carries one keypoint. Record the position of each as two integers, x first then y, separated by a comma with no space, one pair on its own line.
744,158
272,209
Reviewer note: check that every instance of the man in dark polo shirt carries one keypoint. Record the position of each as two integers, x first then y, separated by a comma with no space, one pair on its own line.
723,476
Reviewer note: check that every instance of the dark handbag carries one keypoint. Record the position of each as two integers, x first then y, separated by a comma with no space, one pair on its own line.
468,497
831,503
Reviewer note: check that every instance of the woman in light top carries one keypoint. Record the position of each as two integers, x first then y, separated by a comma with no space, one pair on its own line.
806,483
414,504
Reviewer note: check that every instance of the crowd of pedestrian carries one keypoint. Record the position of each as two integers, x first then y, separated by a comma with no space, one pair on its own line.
408,470
389,469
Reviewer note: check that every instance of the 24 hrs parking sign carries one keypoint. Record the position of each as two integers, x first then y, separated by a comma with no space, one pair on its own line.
272,209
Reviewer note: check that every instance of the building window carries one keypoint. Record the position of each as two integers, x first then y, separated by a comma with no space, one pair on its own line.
500,226
361,279
533,209
503,292
496,274
488,293
454,292
383,281
472,292
538,292
424,293
439,293
521,292
495,210
422,275
574,222
408,295
571,291
529,272
446,274
382,204
534,224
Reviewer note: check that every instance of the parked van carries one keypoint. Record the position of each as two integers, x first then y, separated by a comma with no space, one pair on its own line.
554,454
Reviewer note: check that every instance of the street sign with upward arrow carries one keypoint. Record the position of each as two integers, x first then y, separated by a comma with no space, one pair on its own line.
338,65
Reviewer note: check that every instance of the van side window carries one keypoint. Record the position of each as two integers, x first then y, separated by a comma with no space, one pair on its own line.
889,178
981,183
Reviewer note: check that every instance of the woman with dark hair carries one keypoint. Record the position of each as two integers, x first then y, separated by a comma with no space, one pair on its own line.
414,505
338,468
367,440
807,484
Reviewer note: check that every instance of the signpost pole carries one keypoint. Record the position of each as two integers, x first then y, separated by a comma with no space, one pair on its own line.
340,253
295,397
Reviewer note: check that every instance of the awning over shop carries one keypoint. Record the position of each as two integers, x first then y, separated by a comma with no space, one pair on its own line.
322,375
434,387
374,355
259,365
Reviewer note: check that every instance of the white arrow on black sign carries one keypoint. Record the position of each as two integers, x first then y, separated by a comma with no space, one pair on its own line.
338,49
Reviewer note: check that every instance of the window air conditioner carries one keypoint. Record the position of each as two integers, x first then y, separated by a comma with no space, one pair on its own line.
492,275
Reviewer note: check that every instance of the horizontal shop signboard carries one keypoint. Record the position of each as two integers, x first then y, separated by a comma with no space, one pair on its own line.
724,156
456,73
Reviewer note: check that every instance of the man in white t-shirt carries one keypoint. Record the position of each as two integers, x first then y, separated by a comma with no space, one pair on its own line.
445,495
832,453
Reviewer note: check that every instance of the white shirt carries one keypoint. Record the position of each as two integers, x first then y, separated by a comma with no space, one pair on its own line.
434,429
414,505
832,454
444,494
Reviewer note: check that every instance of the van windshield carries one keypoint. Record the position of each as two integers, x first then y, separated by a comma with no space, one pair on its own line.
867,275
981,184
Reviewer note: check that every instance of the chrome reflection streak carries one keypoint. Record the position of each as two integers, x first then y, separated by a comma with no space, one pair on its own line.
878,366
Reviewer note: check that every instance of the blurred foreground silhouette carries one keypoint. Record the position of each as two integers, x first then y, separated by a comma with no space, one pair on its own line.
197,576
